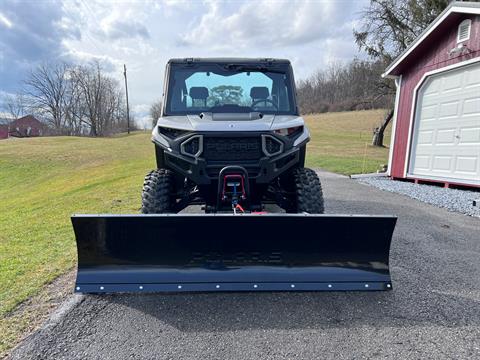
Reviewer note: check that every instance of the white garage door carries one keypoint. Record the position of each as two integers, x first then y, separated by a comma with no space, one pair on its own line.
446,136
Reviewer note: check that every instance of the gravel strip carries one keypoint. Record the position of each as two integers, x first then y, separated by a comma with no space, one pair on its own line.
452,199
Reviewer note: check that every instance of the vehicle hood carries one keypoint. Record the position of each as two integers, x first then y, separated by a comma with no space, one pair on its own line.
207,122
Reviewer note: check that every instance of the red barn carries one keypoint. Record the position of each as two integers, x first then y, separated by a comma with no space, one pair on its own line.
26,126
3,129
436,127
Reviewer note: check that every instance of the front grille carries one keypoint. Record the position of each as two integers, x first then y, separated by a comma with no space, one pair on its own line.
232,148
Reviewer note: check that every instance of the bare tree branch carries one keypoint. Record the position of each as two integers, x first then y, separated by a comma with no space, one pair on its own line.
156,111
76,100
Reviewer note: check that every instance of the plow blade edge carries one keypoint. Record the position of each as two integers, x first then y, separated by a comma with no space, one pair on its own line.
223,252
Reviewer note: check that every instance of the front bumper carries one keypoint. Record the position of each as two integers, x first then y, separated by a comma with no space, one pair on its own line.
203,171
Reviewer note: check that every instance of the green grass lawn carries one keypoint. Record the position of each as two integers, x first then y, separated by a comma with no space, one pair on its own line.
42,182
341,142
45,180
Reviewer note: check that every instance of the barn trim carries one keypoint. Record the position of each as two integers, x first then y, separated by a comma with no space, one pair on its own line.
412,117
398,84
466,8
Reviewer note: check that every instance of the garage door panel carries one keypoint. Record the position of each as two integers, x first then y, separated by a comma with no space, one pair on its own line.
445,137
429,112
452,82
467,165
473,78
442,163
471,106
449,109
422,162
469,136
425,137
434,87
446,133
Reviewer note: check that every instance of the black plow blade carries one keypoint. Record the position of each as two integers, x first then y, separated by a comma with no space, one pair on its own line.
223,252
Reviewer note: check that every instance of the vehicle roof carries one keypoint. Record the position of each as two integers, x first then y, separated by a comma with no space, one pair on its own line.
229,60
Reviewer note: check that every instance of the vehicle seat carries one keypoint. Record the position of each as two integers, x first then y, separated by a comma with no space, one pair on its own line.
259,93
198,93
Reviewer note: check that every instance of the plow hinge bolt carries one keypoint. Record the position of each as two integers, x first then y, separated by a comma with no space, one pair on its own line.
102,288
292,286
329,285
179,286
255,286
217,286
366,285
140,287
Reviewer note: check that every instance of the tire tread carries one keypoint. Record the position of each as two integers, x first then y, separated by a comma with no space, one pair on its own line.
157,192
308,191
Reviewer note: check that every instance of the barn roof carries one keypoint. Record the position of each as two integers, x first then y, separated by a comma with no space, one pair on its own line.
455,7
28,118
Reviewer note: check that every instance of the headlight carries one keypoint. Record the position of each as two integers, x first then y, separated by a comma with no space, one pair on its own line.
288,131
271,145
193,146
170,132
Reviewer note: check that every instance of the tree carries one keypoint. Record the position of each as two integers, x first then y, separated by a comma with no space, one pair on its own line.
14,105
388,27
45,89
76,99
225,94
156,112
100,106
343,87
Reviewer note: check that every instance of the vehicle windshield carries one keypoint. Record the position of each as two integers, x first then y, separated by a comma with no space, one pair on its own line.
229,88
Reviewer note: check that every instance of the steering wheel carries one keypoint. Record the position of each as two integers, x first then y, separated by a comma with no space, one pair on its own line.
265,101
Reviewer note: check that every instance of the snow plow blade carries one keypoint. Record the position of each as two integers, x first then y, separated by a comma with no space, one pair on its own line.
223,252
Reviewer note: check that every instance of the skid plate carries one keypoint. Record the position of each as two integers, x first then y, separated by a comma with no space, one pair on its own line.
223,252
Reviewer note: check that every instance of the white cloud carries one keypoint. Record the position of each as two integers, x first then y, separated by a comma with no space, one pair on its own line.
142,116
107,63
145,34
142,108
271,24
118,29
5,21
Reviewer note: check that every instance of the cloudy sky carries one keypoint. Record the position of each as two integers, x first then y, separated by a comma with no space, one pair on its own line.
145,34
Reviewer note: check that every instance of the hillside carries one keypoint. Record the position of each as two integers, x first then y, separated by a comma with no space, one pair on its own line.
341,142
43,181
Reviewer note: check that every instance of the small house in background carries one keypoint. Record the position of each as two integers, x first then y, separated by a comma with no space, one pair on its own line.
436,126
3,129
27,126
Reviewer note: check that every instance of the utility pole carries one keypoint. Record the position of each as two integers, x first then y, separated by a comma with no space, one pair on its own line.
126,94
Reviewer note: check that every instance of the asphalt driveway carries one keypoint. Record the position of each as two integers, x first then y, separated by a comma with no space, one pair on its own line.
433,311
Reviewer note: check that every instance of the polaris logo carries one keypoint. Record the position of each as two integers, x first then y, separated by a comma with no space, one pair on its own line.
226,147
232,148
217,259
